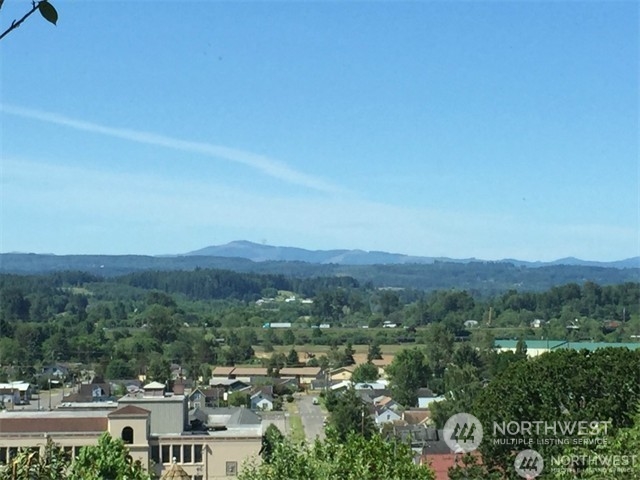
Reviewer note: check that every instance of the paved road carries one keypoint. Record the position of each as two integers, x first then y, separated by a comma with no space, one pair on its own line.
312,417
55,398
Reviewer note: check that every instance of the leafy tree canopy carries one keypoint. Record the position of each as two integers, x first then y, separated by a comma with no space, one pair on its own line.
109,459
354,458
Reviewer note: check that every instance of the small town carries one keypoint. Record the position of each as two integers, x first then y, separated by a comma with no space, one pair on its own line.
200,401
319,240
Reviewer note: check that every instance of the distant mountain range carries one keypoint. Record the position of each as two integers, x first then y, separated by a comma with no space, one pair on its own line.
381,269
269,253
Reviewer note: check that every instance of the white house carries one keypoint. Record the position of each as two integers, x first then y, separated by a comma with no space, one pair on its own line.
386,415
261,401
17,393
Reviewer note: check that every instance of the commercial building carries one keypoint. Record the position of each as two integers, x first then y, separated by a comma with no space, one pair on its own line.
154,425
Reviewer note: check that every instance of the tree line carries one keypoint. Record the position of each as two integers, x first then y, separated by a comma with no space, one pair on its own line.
146,321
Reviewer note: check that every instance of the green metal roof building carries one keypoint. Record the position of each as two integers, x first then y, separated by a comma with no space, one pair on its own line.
538,347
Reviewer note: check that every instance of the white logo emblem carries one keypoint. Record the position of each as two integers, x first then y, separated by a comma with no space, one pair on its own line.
462,433
529,464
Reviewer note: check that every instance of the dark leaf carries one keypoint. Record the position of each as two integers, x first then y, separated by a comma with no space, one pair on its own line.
48,12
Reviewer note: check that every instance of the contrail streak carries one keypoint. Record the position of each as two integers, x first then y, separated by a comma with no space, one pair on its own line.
264,164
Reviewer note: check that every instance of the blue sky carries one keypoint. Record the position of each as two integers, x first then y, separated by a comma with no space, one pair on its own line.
462,129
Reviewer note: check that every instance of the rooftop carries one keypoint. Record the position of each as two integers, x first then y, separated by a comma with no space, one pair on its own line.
55,421
129,410
555,344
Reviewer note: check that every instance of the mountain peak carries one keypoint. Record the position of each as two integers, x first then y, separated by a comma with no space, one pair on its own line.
259,252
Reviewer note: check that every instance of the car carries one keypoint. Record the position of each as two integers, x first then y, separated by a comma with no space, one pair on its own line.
315,401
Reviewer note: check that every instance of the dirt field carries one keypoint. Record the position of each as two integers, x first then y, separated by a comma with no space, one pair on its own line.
388,351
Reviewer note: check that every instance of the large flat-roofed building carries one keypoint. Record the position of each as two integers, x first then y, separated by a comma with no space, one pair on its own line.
169,414
538,347
155,428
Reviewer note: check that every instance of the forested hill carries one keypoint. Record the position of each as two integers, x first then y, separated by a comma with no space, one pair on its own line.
482,277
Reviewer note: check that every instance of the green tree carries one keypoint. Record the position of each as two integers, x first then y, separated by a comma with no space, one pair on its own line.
350,415
389,302
288,337
408,372
624,444
521,349
276,362
239,399
440,343
271,439
118,369
466,354
564,385
29,464
354,458
330,400
365,372
348,354
159,370
292,358
160,323
462,386
109,459
374,352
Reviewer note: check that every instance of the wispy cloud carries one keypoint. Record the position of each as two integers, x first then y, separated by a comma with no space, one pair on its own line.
85,209
266,165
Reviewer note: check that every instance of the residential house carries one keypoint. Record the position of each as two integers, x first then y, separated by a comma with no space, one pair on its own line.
90,392
206,397
341,373
249,374
55,370
428,445
426,397
303,375
262,401
416,417
176,371
15,393
385,415
384,401
229,385
343,385
222,372
377,385
382,364
436,453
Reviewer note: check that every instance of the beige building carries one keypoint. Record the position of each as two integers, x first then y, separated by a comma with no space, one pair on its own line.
303,375
155,428
341,373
